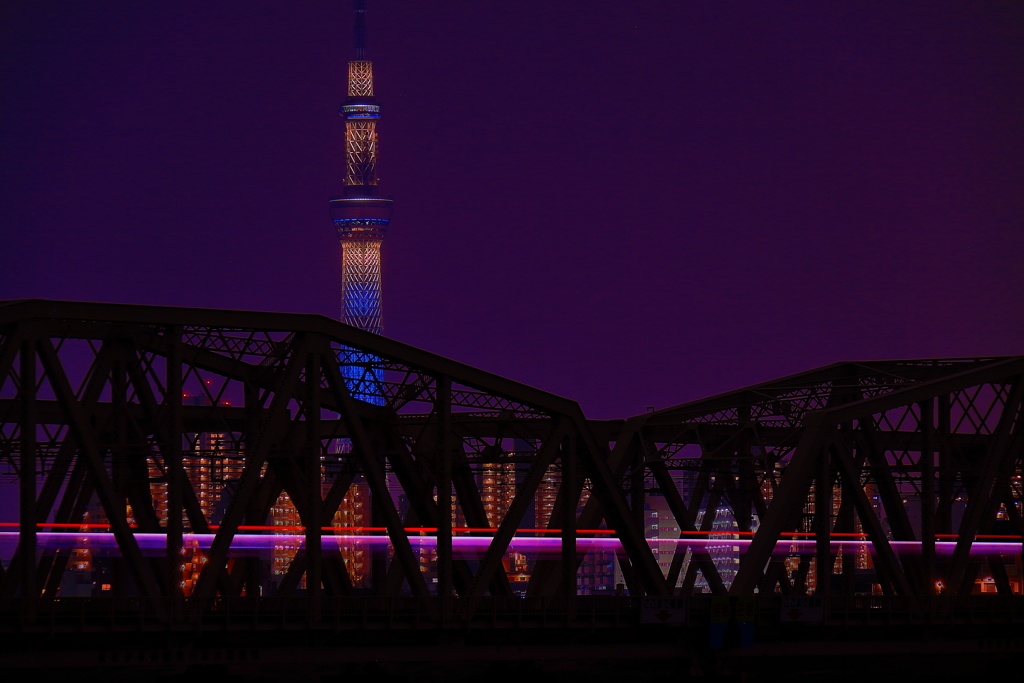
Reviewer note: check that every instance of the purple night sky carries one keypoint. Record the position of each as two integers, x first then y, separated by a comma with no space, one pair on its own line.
625,203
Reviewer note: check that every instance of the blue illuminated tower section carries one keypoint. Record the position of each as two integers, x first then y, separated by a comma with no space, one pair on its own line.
361,217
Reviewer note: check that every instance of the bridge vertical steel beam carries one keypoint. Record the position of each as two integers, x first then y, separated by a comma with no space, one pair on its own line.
269,489
944,514
27,479
10,346
927,467
845,525
1016,518
173,466
739,485
568,517
638,470
444,488
117,444
311,453
748,491
634,486
823,524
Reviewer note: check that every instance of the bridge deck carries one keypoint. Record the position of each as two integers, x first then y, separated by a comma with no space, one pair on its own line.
127,614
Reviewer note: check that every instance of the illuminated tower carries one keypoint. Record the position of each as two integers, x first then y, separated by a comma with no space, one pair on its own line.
361,216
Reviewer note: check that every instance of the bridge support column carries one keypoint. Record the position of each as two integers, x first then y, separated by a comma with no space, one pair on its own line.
27,480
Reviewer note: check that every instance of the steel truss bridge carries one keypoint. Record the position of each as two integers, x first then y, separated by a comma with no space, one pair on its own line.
915,464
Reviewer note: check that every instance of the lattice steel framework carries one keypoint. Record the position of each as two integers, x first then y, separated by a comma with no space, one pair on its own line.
92,416
360,78
361,152
916,464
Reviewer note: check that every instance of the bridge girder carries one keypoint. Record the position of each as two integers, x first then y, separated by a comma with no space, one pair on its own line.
93,405
938,444
93,408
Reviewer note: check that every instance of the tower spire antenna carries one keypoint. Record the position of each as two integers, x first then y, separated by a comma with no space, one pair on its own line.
359,28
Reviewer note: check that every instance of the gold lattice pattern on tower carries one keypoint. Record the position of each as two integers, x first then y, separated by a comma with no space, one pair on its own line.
361,152
360,78
360,280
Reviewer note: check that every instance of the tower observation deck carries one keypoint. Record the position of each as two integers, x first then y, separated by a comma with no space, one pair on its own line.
360,215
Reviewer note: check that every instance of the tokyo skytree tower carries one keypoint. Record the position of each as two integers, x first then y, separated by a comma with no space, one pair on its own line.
361,216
